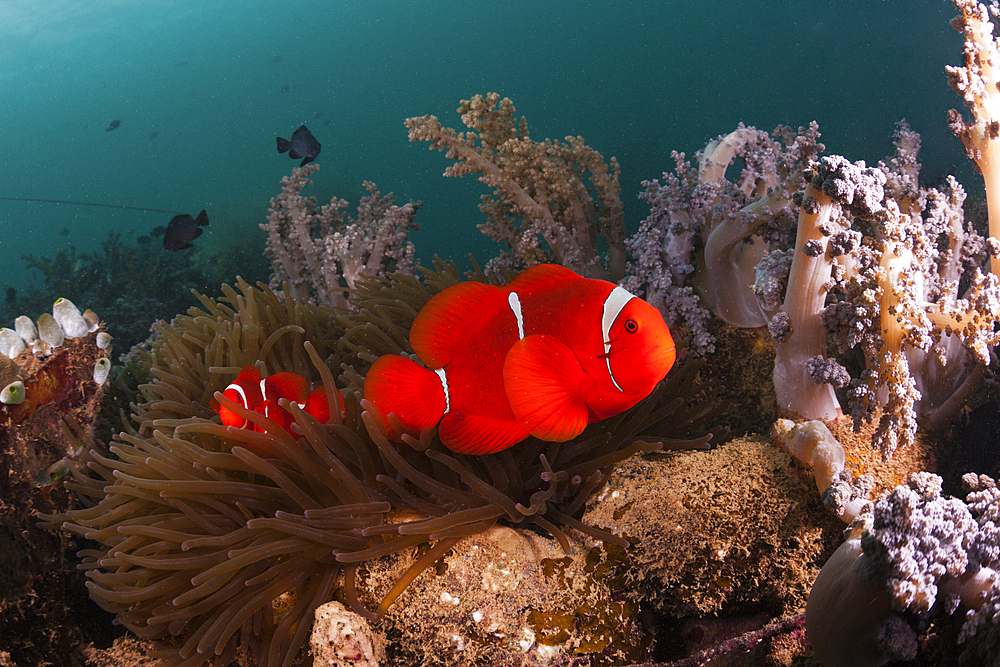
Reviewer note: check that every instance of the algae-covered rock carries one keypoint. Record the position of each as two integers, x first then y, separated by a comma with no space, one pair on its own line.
715,531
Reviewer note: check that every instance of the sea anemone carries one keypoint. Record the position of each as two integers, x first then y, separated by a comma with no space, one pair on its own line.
214,540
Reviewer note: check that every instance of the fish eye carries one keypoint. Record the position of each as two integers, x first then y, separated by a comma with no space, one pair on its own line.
631,325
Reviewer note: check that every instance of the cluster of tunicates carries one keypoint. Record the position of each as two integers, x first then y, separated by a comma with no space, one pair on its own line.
41,338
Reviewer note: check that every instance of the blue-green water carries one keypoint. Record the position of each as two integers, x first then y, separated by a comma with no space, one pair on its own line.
203,87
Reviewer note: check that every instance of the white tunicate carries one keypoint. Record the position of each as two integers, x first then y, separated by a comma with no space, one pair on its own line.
13,394
50,331
25,328
103,341
93,321
101,370
10,343
70,318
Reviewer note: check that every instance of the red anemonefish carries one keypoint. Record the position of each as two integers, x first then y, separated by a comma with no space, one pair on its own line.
544,355
251,391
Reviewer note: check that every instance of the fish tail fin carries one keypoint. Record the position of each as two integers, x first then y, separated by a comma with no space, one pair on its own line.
202,219
283,145
413,393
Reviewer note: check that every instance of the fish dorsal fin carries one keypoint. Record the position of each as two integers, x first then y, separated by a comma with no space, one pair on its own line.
541,275
544,383
288,385
466,433
249,374
447,321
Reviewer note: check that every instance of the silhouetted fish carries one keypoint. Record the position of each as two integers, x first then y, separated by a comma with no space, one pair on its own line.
158,230
302,145
317,115
11,294
144,239
275,59
154,135
182,229
285,88
64,232
113,125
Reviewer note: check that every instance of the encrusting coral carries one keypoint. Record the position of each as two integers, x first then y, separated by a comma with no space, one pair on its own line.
223,541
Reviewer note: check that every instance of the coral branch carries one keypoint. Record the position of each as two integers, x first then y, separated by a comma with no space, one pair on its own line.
540,192
978,84
321,254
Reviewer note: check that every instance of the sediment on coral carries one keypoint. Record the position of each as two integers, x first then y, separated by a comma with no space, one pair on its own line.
223,541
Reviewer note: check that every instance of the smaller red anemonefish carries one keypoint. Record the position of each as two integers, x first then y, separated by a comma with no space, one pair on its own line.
544,355
253,392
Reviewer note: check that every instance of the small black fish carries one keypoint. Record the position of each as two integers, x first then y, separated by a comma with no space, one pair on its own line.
113,125
144,239
317,115
302,144
184,228
158,230
64,232
154,135
11,294
285,88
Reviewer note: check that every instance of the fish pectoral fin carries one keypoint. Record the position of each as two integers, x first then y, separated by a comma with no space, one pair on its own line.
543,380
405,388
465,433
318,404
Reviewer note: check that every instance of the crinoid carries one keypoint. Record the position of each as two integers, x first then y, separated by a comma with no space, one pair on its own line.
214,540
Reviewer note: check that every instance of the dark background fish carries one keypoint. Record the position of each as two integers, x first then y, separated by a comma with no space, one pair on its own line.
302,145
182,229
113,125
